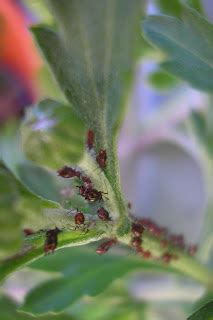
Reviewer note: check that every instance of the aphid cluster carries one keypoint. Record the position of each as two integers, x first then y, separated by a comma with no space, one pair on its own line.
177,240
136,241
88,192
105,246
101,157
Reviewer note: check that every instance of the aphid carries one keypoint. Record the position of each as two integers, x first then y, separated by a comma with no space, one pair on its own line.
68,172
178,240
51,240
79,218
167,257
145,253
93,195
105,246
136,242
101,158
28,232
137,229
192,250
87,182
129,205
103,214
90,139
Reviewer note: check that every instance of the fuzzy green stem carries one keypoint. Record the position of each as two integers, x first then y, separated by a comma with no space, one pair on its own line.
184,264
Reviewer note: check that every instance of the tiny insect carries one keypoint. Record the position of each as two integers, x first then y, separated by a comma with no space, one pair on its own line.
90,139
103,214
28,232
93,195
51,241
79,218
68,172
136,242
105,246
137,229
87,183
101,158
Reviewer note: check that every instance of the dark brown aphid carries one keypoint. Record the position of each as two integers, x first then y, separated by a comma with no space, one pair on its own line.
90,139
28,232
167,257
137,229
145,253
68,172
101,158
82,190
51,241
105,246
79,218
103,214
136,242
93,195
177,240
87,182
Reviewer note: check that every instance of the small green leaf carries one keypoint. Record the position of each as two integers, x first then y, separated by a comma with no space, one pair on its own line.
188,43
204,313
53,135
162,80
9,312
83,272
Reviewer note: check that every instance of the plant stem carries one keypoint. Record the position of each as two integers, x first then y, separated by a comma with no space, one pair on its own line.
34,248
184,264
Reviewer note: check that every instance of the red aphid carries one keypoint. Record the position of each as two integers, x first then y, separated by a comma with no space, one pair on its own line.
136,242
103,214
90,139
87,182
93,195
51,241
101,158
105,246
82,190
147,254
167,257
137,229
79,218
68,172
177,240
28,232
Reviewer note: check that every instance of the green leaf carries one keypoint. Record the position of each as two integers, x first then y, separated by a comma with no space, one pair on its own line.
188,43
204,313
118,304
9,312
10,218
92,62
175,7
93,58
53,135
83,272
162,80
169,7
39,180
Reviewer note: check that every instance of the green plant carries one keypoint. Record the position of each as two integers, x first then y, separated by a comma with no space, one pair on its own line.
93,52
